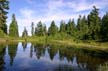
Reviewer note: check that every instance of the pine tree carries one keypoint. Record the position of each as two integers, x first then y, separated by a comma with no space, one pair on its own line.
78,22
71,28
44,30
25,33
3,15
40,30
68,27
53,29
94,23
32,29
82,28
62,27
62,30
104,27
13,28
36,31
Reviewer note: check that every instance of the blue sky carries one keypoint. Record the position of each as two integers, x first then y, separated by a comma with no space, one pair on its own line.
28,11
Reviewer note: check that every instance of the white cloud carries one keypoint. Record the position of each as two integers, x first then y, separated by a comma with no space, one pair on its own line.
26,13
55,4
85,4
54,11
27,17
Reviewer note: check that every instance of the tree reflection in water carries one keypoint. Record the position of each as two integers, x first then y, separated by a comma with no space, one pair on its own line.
12,49
51,58
2,53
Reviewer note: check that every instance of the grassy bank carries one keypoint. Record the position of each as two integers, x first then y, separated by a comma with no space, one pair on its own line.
65,42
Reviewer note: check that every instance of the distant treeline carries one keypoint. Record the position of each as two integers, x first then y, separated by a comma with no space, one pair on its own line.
91,27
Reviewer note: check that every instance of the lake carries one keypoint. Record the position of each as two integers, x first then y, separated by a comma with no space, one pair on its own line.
38,57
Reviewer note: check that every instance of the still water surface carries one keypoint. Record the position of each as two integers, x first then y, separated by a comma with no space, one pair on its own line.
30,57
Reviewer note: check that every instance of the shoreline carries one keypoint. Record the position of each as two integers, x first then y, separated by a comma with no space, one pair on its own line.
92,46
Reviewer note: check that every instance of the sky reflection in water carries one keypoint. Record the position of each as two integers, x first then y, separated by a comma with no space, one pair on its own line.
29,57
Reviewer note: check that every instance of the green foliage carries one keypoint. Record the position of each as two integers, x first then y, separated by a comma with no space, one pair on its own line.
40,30
71,28
32,30
89,27
104,27
53,29
82,28
3,12
3,27
94,24
25,33
12,50
2,34
62,27
13,28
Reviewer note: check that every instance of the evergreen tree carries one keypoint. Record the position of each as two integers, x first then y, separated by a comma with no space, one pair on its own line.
94,22
68,27
32,29
78,22
53,29
71,28
3,12
104,27
13,28
36,31
40,30
25,33
2,34
62,30
62,27
82,28
44,29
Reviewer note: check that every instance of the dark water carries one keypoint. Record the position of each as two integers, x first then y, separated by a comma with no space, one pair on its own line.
29,57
